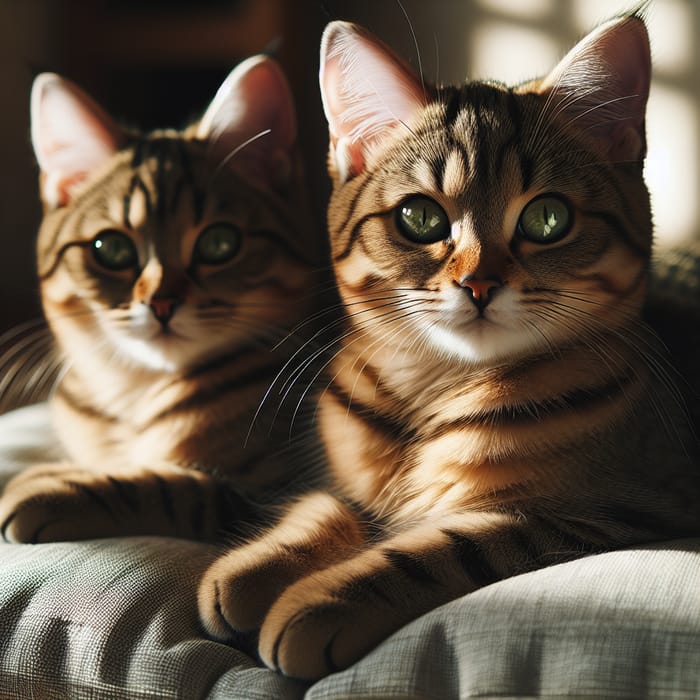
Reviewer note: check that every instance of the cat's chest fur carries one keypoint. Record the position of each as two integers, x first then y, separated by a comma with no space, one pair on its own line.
121,416
448,436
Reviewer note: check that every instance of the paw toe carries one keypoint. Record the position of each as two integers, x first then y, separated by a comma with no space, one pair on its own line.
311,644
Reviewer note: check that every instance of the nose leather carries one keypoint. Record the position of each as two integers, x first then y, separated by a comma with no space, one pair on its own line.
480,291
163,308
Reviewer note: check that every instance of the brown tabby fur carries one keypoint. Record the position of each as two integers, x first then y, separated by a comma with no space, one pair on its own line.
469,441
156,422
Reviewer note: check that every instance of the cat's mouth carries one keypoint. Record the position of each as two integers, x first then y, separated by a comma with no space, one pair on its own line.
486,337
165,331
166,334
481,317
479,320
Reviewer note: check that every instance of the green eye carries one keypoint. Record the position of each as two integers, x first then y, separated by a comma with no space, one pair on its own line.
217,244
546,219
114,250
422,220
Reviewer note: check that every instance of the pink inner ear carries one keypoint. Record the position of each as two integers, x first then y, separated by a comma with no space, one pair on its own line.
71,135
251,120
366,90
602,86
626,50
266,90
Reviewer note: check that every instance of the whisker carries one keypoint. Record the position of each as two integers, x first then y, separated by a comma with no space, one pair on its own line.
29,352
345,347
237,150
415,43
307,362
641,343
354,316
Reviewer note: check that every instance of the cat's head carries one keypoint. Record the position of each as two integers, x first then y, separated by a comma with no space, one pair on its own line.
487,222
162,250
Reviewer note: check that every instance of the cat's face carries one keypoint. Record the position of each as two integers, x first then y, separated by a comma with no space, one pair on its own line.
168,273
166,254
482,222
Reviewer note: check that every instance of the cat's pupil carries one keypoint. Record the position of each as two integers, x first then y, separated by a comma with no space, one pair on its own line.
546,219
217,244
422,220
114,250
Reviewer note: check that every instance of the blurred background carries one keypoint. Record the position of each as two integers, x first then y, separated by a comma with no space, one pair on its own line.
158,63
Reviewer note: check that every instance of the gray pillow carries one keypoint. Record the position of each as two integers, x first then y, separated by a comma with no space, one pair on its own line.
117,619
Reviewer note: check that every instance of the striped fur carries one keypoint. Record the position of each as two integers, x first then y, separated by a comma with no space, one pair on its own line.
495,404
166,362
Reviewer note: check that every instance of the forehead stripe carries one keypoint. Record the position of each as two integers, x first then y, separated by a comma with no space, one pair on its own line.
136,184
455,175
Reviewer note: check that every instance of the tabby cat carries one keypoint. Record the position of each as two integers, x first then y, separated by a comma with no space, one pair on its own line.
495,403
170,265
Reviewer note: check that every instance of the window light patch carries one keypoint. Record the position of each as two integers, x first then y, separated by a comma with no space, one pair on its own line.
532,9
511,53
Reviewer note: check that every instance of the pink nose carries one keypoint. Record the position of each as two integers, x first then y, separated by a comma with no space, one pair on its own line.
163,308
480,290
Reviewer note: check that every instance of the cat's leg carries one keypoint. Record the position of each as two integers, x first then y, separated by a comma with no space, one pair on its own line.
331,618
238,589
58,502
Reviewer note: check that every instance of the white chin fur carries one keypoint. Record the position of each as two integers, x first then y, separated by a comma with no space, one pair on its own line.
143,344
156,354
481,342
463,336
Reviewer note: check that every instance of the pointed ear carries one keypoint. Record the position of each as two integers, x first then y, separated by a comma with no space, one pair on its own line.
251,124
71,134
602,85
366,91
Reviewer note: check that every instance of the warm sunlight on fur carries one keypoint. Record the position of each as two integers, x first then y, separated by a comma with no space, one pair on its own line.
494,402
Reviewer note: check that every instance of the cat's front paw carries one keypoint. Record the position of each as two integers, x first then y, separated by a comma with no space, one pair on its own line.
238,589
318,627
61,502
54,502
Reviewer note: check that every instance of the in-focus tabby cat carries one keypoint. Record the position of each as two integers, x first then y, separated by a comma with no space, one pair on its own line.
170,265
495,403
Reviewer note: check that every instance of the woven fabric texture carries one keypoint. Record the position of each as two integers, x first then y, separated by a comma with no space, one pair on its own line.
117,619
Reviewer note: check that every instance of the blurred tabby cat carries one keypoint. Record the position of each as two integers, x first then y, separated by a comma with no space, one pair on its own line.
495,402
170,264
